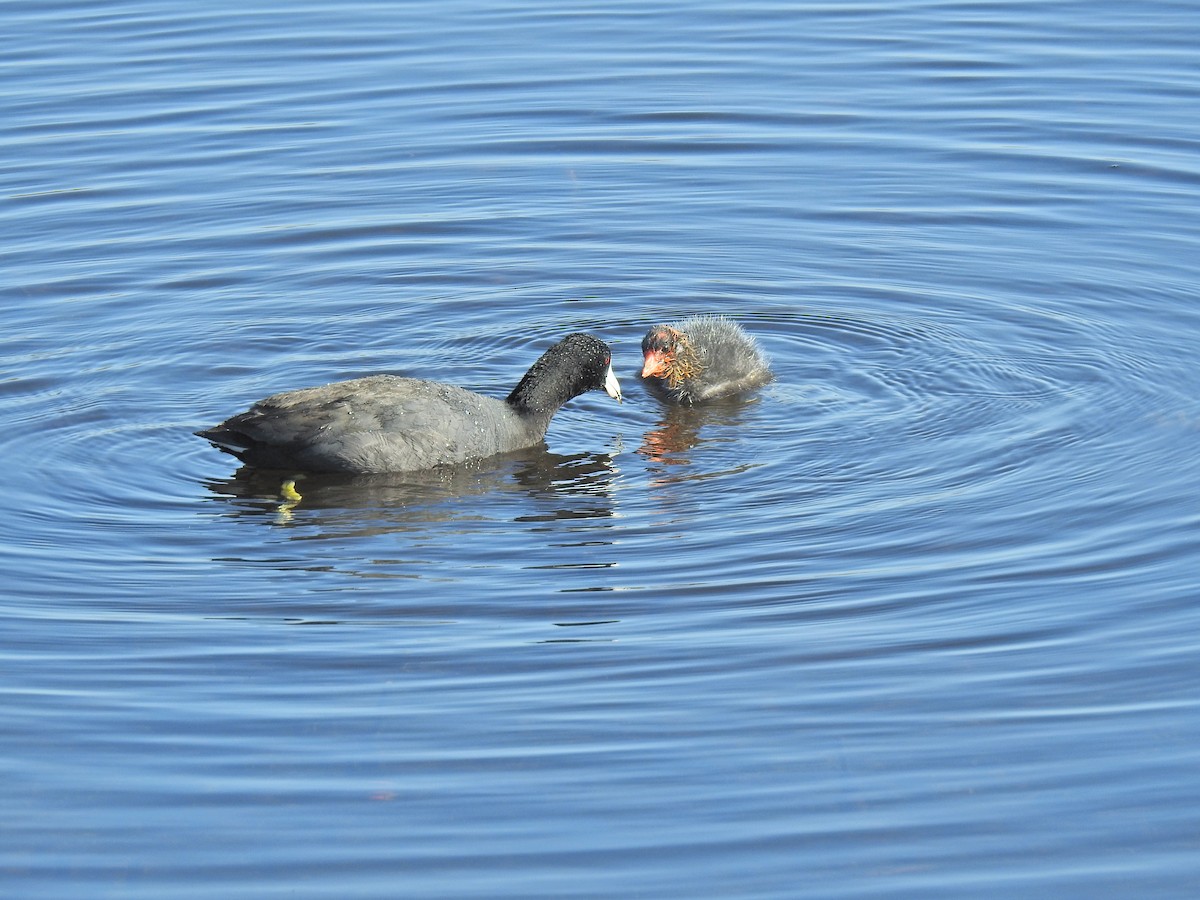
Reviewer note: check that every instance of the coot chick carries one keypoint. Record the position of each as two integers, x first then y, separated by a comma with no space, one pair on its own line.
702,358
385,423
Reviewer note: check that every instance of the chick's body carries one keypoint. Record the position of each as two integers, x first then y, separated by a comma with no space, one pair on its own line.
702,358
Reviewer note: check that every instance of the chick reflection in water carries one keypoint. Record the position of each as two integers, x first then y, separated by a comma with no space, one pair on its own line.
683,428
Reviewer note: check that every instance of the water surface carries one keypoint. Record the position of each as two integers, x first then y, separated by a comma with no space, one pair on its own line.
915,620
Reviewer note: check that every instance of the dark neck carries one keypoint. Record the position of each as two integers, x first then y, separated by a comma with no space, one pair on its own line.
545,387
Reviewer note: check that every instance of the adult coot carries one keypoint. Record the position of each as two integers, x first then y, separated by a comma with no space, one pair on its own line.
702,358
384,423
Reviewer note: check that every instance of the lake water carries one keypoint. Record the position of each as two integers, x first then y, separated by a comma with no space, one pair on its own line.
917,620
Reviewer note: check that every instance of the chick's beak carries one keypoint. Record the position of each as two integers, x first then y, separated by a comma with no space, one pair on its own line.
655,363
612,387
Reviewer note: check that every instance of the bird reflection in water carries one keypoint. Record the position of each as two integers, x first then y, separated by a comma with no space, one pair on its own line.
683,428
562,486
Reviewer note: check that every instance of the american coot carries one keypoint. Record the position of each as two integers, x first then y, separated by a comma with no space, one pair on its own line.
702,358
384,423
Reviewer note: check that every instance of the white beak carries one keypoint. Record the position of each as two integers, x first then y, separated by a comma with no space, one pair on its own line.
612,387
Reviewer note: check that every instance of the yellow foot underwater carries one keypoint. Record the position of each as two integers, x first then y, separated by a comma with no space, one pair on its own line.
291,497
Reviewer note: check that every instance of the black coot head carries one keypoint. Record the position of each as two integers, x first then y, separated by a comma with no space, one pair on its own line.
576,364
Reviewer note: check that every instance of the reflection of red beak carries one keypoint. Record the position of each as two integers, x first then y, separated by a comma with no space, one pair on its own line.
655,363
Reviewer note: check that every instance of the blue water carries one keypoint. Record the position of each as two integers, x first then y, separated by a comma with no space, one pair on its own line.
917,620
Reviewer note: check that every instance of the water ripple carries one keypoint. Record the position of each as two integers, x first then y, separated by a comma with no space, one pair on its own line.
916,617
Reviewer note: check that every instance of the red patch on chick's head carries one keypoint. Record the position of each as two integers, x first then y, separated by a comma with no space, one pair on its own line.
658,351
